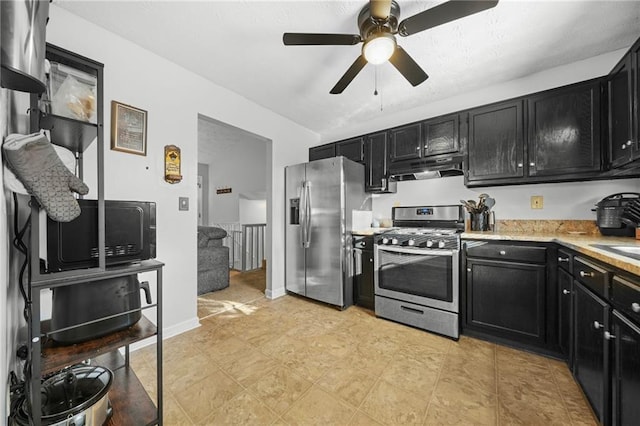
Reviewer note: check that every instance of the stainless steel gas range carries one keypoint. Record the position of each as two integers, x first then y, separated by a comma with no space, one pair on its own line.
417,268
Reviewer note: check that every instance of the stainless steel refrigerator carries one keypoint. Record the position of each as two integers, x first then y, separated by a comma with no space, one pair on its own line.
324,200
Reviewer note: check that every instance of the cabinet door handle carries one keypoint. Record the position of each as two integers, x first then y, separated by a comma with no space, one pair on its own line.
519,165
629,143
624,146
586,274
597,325
417,148
563,259
502,252
635,307
532,164
468,269
565,291
609,336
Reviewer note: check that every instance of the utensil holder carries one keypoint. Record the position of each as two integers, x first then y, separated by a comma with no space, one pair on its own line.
479,221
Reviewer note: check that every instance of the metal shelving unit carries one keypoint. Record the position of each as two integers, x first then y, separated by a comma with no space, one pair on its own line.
130,401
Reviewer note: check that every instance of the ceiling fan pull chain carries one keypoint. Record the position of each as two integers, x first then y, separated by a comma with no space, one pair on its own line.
375,81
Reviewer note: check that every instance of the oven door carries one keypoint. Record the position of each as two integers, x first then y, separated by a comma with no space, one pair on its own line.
422,276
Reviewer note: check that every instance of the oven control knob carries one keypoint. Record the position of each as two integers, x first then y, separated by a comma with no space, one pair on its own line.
441,244
394,241
429,243
385,241
411,242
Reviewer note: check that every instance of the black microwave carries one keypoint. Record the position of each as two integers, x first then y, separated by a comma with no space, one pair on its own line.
130,235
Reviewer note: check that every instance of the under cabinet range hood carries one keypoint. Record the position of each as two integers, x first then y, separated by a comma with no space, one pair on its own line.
427,168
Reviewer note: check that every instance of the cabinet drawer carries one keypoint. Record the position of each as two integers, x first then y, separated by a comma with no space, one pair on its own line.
509,252
595,277
625,296
565,260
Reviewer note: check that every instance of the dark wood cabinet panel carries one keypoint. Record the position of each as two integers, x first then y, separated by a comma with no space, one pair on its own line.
507,299
376,162
351,149
620,113
564,131
565,290
406,142
635,62
625,380
363,276
322,151
441,135
496,142
591,315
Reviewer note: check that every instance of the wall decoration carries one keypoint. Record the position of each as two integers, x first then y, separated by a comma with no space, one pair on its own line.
223,191
128,129
172,164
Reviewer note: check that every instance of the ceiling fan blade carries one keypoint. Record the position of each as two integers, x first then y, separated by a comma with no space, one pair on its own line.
300,39
407,67
441,14
380,9
348,76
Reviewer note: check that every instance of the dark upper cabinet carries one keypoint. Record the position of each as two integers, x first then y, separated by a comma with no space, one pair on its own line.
376,166
591,366
564,131
496,142
623,85
619,84
440,135
351,149
406,142
322,151
625,374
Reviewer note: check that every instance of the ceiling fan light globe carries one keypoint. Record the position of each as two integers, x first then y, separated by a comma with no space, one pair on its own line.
379,49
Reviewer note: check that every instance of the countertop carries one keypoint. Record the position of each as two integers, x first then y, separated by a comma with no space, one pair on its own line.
579,243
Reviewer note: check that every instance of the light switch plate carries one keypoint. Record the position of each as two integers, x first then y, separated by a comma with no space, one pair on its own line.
183,203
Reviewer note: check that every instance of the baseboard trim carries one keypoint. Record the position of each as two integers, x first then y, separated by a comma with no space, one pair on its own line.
168,332
274,294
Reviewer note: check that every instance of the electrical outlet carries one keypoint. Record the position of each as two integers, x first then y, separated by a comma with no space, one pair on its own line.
183,203
537,202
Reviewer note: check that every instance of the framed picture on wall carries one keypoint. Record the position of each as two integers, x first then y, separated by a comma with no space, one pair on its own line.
128,129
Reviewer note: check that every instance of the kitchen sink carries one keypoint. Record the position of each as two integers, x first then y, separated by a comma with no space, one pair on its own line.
632,251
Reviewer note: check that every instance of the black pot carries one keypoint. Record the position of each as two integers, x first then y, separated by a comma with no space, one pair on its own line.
78,304
77,395
609,214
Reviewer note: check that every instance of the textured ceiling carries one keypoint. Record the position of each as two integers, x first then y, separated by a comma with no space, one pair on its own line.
238,45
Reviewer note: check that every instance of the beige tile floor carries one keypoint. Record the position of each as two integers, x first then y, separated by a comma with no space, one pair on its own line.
291,361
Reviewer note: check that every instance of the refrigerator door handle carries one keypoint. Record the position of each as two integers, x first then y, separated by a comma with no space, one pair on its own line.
307,215
303,214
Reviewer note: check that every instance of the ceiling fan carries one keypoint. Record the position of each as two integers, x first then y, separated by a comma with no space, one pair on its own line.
379,23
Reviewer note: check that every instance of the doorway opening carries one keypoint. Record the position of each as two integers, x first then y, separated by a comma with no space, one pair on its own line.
234,190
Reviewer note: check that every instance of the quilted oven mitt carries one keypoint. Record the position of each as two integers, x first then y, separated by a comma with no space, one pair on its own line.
35,162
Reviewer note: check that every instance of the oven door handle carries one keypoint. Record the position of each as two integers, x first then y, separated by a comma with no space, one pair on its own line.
418,252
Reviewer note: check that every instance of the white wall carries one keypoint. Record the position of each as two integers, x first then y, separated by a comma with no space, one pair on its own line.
173,98
571,200
237,160
253,211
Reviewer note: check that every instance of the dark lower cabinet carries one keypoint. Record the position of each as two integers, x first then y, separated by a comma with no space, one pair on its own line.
363,271
506,299
591,367
565,291
625,375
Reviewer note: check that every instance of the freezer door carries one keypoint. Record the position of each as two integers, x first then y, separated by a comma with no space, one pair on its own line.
326,229
294,277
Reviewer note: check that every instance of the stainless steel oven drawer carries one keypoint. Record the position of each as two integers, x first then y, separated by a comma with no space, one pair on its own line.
436,320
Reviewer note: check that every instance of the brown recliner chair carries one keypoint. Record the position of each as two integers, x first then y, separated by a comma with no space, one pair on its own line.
213,260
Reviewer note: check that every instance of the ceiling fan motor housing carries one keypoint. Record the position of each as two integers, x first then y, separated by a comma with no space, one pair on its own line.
370,26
